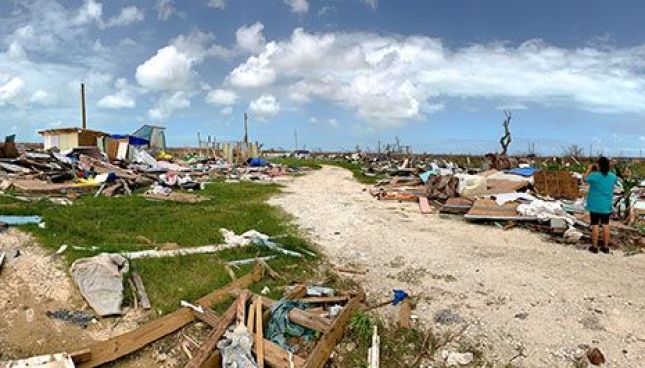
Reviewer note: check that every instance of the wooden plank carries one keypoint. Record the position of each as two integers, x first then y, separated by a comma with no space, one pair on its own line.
119,346
141,290
211,342
81,356
2,256
259,333
424,205
209,316
250,320
276,357
325,346
241,306
325,299
405,313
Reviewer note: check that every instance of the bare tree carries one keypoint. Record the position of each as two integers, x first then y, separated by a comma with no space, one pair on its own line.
505,141
574,150
531,149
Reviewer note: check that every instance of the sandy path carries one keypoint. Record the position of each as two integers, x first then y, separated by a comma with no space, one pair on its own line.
488,276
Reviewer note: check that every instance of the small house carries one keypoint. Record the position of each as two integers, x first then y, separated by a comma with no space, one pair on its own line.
68,138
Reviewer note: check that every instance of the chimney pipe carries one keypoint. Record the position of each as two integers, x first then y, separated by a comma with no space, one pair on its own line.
83,106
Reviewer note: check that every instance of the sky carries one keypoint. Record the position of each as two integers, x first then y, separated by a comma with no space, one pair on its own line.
436,74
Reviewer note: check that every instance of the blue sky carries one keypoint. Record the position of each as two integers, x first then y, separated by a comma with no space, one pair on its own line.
437,74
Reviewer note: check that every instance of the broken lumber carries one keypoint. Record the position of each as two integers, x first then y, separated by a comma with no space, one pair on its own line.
107,351
424,205
211,342
250,320
141,290
325,299
259,333
405,313
241,306
325,346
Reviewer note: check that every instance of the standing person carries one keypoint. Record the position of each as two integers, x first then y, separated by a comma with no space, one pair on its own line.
599,201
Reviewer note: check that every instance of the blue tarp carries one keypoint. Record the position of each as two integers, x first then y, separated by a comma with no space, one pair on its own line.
257,162
426,175
135,141
522,171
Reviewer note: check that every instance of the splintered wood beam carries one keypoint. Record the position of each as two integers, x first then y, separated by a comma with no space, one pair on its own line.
209,316
241,306
325,346
211,342
325,299
106,351
141,290
250,319
259,333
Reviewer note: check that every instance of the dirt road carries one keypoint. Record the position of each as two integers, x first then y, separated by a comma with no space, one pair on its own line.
524,300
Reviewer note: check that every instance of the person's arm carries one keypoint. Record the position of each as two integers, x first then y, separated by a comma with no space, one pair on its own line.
590,169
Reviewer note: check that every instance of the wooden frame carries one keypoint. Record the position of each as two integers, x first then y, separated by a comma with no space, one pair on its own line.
274,356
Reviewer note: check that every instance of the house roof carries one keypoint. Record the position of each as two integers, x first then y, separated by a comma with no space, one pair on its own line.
69,130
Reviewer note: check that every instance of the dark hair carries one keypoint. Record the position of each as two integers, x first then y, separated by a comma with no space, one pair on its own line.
603,165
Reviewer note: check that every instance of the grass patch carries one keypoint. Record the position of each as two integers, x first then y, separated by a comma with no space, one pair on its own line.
127,223
357,171
297,162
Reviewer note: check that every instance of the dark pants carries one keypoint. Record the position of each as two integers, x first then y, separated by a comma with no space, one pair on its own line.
599,218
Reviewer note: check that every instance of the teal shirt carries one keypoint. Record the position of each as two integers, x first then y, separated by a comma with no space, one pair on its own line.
601,192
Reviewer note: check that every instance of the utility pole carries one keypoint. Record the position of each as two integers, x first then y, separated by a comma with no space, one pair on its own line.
246,128
83,113
295,137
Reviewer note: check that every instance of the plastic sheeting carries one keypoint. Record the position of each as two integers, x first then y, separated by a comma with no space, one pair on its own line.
100,280
280,327
236,348
470,184
544,210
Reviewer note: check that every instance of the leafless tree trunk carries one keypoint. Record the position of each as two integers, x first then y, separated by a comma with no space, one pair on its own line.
505,141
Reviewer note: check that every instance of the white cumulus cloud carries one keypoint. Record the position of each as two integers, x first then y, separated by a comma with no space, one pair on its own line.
169,69
165,9
123,98
91,11
388,80
127,16
169,103
16,52
298,6
11,90
221,97
250,38
265,106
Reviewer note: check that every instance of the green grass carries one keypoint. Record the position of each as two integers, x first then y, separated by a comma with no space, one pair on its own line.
119,223
316,164
356,169
297,162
